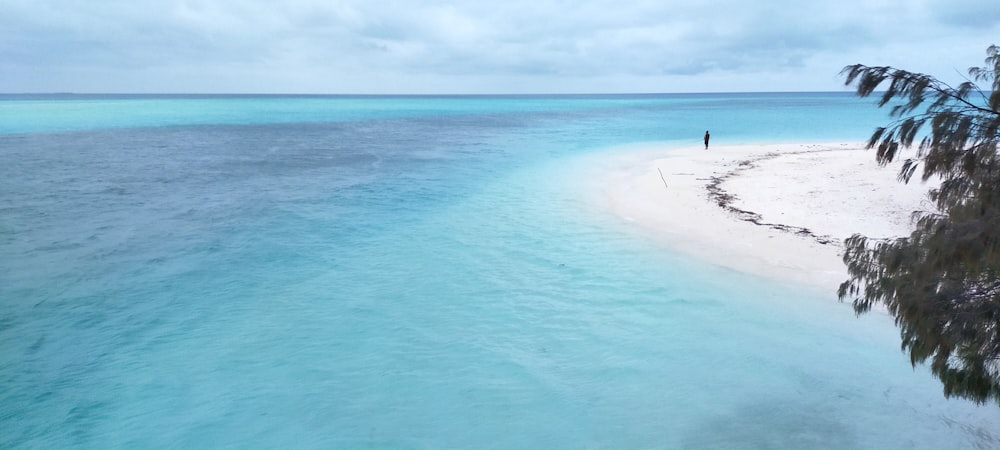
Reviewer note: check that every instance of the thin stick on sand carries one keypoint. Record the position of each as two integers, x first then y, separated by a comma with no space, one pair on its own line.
661,177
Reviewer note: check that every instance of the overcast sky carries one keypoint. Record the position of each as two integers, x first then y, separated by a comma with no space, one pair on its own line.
512,46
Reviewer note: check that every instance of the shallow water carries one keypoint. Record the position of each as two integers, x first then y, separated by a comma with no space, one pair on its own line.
413,272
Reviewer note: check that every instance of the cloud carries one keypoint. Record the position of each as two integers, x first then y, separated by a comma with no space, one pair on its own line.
440,46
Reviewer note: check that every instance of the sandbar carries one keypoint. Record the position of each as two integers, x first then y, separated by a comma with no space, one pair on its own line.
777,210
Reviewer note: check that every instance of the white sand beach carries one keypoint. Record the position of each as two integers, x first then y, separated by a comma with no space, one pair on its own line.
805,199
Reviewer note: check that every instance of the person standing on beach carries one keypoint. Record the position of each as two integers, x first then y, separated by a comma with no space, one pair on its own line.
706,139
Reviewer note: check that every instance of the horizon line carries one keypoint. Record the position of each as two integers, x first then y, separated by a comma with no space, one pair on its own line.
303,94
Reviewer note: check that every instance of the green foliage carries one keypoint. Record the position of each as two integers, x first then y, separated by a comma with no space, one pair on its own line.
942,283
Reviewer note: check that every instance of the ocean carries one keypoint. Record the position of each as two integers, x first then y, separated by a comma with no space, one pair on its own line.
414,272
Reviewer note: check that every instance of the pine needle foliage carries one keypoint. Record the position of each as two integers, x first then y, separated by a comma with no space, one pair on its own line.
942,283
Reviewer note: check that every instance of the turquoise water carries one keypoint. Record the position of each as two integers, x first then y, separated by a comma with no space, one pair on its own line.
240,271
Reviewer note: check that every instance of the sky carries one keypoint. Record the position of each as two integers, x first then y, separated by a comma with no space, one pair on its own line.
480,47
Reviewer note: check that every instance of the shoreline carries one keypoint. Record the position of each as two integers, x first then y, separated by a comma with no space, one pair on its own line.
779,210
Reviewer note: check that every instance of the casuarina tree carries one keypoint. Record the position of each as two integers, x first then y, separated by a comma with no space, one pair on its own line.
941,284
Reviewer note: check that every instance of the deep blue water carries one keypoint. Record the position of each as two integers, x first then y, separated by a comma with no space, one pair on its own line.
409,271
